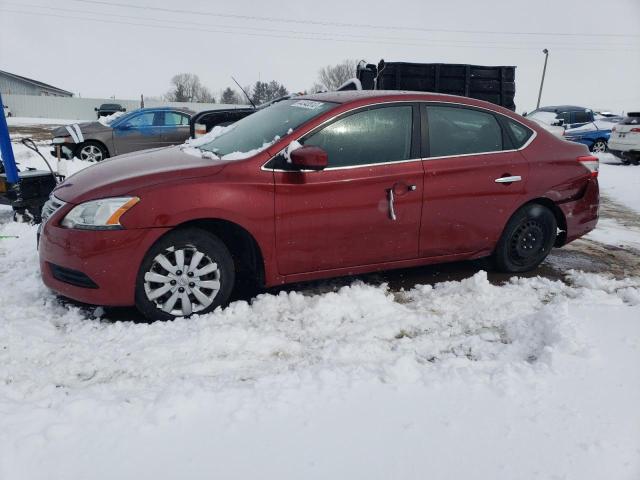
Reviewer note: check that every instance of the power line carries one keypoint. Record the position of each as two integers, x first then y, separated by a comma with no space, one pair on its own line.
348,25
552,43
287,36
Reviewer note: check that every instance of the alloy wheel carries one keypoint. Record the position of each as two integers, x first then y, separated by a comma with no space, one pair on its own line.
91,153
599,147
182,281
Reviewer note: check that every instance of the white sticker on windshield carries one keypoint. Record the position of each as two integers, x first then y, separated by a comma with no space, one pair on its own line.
309,104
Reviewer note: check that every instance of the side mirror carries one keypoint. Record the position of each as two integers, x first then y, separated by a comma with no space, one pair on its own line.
524,114
123,110
309,158
558,123
95,109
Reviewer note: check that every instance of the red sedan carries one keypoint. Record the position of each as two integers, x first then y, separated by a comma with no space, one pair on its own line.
315,187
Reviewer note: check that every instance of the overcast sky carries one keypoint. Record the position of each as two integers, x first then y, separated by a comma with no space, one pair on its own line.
594,45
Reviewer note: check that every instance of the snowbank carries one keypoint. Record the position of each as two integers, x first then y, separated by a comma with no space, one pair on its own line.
26,158
620,182
531,379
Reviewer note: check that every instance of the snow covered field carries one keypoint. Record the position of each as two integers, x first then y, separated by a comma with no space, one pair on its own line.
530,379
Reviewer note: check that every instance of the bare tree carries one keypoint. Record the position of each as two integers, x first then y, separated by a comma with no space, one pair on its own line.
332,76
186,87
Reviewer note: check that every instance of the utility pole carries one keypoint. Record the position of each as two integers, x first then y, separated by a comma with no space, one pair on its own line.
544,71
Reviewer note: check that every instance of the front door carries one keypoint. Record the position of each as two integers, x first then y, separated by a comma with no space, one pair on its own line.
365,207
475,177
139,132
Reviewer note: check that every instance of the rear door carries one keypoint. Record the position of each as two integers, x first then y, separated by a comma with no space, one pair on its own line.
175,127
474,177
365,207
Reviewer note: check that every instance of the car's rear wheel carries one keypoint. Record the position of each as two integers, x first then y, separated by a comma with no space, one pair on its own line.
91,151
527,239
599,146
187,271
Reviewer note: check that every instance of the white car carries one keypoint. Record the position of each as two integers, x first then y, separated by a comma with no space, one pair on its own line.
625,139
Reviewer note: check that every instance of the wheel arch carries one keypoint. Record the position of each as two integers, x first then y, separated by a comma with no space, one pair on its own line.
245,250
557,213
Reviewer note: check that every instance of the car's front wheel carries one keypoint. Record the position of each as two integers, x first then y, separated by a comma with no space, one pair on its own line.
527,239
91,151
599,146
187,271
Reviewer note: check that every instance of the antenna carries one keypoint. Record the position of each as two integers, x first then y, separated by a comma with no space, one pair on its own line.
245,93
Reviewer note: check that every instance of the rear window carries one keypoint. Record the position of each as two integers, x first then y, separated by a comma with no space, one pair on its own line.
582,117
519,133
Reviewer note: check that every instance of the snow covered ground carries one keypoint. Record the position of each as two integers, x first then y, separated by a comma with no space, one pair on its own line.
21,121
530,379
620,182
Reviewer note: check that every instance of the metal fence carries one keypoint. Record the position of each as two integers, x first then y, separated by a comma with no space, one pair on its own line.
72,108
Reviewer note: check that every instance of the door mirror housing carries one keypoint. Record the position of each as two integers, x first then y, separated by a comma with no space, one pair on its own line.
309,158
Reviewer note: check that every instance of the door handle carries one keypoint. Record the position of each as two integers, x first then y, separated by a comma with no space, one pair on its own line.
511,179
391,199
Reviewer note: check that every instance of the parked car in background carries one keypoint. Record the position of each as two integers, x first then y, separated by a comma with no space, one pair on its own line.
314,187
580,124
202,122
107,109
625,139
138,130
6,110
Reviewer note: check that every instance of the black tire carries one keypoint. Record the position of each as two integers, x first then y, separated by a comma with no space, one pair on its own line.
526,240
190,241
82,151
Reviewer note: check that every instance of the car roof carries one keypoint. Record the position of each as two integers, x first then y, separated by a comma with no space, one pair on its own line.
165,109
562,108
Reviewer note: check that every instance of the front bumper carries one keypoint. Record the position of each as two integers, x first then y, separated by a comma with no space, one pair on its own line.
108,259
582,214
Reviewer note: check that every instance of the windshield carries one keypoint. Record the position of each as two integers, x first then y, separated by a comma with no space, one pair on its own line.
260,129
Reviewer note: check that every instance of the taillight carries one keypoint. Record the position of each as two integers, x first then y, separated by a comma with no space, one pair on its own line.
591,163
634,130
199,130
613,129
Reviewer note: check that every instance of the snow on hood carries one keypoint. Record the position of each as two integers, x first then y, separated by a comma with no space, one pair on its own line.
192,146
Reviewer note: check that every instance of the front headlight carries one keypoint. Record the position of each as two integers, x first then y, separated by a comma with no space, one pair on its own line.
103,214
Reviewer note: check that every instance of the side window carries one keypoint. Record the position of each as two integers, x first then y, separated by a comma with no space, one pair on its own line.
459,131
142,120
519,133
581,117
371,136
566,116
173,119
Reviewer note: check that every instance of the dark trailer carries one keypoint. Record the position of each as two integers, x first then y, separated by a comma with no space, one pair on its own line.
492,84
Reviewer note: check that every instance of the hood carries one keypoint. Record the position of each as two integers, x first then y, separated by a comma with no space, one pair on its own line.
125,174
85,128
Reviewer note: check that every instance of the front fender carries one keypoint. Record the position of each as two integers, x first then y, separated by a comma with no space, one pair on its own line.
249,205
